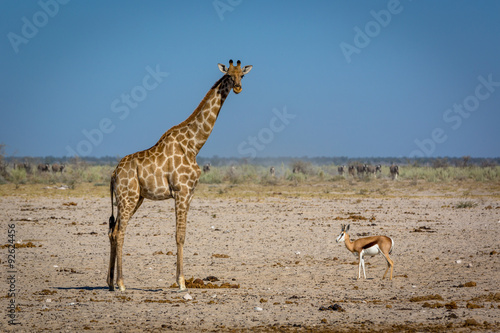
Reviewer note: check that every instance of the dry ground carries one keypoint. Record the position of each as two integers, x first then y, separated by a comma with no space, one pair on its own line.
276,242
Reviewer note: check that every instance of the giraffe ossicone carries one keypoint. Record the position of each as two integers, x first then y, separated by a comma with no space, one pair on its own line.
167,170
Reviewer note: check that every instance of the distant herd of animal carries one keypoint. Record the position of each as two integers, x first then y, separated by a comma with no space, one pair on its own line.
361,170
42,167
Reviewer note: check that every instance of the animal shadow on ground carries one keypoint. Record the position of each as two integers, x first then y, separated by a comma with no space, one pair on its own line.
88,288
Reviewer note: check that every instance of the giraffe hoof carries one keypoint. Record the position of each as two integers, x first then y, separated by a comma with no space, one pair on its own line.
180,290
182,284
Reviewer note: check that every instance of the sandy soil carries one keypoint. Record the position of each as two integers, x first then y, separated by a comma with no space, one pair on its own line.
279,249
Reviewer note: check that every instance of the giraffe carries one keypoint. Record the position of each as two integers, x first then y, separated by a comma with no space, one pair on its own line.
167,170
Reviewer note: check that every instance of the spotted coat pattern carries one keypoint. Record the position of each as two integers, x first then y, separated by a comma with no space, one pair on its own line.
167,170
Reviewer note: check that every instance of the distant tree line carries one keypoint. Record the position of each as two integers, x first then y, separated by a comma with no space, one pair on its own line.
436,162
106,160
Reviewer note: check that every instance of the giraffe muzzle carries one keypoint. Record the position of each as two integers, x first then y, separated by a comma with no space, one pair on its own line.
237,89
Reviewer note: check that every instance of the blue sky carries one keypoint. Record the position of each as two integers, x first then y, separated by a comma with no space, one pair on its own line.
329,78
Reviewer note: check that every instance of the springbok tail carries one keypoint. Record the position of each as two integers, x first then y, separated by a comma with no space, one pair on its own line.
392,246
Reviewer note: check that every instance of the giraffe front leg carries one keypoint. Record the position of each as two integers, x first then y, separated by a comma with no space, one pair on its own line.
119,256
181,209
181,281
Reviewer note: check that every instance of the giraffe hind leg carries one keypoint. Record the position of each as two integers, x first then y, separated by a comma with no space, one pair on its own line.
112,225
125,216
116,235
112,258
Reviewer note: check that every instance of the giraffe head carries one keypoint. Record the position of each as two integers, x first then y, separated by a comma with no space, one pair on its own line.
236,73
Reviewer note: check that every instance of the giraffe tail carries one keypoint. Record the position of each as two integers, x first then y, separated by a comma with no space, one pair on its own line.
112,221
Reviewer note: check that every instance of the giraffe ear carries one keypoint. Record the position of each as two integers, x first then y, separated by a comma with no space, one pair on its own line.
247,69
222,68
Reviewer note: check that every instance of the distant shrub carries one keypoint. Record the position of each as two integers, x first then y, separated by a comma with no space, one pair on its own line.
440,163
488,164
214,176
267,179
300,166
448,174
337,178
18,176
97,174
296,177
466,204
241,174
82,172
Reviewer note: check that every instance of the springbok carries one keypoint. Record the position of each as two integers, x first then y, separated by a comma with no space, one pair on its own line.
369,246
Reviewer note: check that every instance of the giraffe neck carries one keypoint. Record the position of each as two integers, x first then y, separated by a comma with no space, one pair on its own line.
195,130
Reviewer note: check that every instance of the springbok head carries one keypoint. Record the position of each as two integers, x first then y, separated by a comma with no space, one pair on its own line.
344,230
